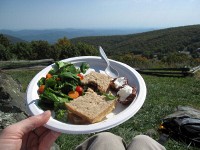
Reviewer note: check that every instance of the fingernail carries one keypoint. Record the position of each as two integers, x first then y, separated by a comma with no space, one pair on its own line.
47,112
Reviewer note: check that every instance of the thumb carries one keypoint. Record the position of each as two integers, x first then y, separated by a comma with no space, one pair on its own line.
30,123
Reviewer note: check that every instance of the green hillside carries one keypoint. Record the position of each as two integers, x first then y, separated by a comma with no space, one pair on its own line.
159,42
13,39
171,47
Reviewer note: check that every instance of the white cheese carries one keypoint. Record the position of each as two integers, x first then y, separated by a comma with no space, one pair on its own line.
120,82
124,92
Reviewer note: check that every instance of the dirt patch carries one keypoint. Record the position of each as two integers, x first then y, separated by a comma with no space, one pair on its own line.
197,75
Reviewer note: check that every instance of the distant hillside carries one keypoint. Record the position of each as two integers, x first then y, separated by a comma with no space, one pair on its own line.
52,35
13,39
185,38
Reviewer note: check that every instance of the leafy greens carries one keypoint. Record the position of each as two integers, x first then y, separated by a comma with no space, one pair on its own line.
64,79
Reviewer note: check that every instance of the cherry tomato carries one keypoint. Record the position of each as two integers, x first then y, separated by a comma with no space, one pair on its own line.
41,89
79,89
81,76
73,94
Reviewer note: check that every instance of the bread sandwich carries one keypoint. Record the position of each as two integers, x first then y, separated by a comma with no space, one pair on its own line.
89,108
97,81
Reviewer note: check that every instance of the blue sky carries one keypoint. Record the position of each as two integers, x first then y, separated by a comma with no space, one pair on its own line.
112,14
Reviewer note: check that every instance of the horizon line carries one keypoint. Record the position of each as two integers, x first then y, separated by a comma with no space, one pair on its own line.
99,28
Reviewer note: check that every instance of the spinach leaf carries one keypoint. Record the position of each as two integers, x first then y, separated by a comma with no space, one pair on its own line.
61,115
60,64
58,93
56,67
53,71
109,96
54,96
41,81
50,83
84,67
68,75
70,86
71,68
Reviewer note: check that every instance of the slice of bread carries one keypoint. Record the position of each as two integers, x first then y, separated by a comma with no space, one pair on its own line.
74,119
90,107
98,80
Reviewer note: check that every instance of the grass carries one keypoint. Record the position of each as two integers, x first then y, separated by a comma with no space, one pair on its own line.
164,94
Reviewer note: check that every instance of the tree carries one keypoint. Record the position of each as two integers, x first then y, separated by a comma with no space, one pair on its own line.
22,50
4,40
40,49
86,50
4,53
148,54
67,49
54,52
68,52
177,59
63,43
64,47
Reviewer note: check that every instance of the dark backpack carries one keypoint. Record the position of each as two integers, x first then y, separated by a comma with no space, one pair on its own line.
183,125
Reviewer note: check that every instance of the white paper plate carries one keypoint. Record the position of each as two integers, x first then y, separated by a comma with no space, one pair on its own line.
118,116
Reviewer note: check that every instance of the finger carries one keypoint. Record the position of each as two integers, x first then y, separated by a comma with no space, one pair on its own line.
29,124
33,141
39,131
47,139
34,122
24,141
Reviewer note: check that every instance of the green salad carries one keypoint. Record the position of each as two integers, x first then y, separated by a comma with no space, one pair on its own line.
61,85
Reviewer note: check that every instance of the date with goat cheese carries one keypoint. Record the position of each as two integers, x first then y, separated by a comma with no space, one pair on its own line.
125,92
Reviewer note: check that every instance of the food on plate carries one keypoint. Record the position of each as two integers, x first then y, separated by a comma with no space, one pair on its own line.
126,94
80,90
74,119
97,81
118,83
89,108
60,85
73,94
41,89
79,97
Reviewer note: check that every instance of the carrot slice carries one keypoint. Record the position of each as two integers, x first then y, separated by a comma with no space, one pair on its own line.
48,76
73,94
41,89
